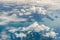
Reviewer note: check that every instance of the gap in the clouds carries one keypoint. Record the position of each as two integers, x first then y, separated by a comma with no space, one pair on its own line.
2,27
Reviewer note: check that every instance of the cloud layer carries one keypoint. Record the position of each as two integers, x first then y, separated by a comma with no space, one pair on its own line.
51,3
26,10
33,28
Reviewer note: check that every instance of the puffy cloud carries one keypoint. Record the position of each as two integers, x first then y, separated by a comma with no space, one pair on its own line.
20,35
5,19
4,36
53,4
34,5
40,10
45,2
50,34
13,15
35,28
12,29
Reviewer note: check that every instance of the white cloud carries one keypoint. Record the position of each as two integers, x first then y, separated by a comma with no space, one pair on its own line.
27,13
4,36
12,29
14,12
42,11
22,10
34,5
5,19
53,4
33,27
36,27
21,14
20,35
51,34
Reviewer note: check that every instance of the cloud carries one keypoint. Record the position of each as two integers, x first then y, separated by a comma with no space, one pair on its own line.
5,18
38,4
35,28
11,29
20,35
33,6
50,34
4,36
53,4
12,15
